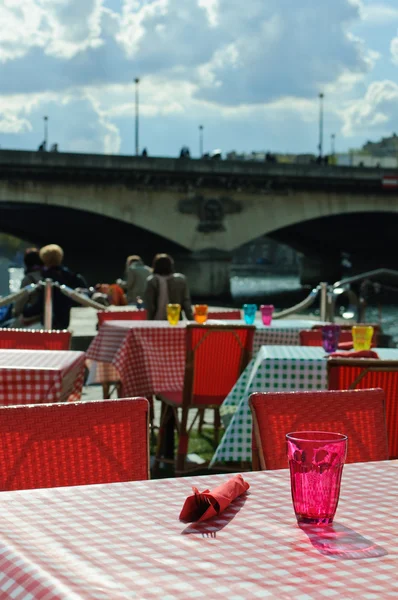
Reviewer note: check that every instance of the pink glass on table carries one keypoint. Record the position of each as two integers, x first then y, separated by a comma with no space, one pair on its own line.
267,311
316,460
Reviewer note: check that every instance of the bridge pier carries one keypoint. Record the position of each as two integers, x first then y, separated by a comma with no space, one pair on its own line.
208,273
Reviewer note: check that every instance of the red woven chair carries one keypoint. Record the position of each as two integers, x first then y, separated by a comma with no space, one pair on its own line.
52,445
121,315
354,374
215,357
358,414
313,337
35,339
224,315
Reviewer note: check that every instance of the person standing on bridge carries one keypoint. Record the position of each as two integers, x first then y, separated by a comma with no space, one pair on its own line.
166,287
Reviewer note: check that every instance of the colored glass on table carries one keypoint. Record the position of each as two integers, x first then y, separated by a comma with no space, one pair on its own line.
362,337
316,460
267,310
330,337
201,313
173,313
249,313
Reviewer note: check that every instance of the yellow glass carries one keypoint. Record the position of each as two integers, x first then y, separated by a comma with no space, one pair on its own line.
362,337
173,313
201,313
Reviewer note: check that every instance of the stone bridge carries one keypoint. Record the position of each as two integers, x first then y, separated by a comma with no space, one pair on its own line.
101,208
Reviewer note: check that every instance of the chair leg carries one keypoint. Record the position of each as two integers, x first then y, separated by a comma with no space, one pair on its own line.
160,442
217,424
119,389
105,390
182,442
201,419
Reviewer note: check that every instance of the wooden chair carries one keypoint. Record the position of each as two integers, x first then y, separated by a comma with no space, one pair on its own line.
358,414
216,355
224,315
63,444
35,339
355,374
121,315
313,337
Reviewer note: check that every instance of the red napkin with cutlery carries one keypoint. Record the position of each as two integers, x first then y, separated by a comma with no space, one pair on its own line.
358,354
210,503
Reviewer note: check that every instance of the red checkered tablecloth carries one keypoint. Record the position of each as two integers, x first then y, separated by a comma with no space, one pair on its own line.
147,355
119,541
36,376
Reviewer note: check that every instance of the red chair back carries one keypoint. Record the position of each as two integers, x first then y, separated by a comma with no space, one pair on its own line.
63,444
215,357
233,315
359,415
348,373
121,315
34,339
313,337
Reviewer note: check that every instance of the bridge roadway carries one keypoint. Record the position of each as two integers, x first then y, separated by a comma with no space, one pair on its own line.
103,207
201,173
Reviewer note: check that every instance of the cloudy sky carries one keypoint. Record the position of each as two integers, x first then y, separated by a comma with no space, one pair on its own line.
250,71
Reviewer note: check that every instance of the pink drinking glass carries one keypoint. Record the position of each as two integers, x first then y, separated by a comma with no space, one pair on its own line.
316,460
267,311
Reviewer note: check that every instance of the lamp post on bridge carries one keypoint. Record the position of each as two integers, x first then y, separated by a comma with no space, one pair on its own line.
200,141
45,132
137,149
320,145
332,144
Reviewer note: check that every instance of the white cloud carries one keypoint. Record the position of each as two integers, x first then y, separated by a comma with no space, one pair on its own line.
378,109
379,13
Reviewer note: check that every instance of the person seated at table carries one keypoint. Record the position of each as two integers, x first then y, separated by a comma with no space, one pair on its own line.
52,257
166,287
136,274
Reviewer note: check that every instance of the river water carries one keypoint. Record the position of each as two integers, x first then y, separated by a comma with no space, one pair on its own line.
282,291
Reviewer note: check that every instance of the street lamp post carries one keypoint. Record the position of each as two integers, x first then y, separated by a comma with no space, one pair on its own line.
332,143
45,132
200,141
136,81
320,146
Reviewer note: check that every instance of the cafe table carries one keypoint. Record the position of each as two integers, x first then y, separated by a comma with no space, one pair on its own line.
125,541
273,369
36,376
148,357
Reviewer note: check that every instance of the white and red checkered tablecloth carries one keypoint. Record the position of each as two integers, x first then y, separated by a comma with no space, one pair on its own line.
37,376
124,541
149,355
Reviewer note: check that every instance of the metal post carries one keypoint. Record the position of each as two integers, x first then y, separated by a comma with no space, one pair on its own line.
45,132
48,304
321,96
324,301
200,141
137,148
332,145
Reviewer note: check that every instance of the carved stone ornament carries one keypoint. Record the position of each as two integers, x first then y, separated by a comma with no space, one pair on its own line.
210,211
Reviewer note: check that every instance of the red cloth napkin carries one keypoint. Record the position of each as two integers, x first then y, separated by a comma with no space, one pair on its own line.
359,354
196,509
345,346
